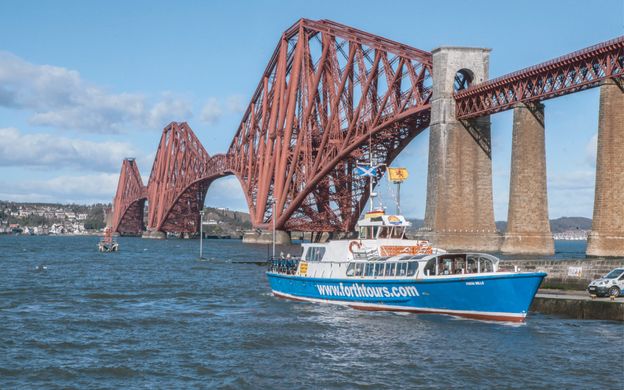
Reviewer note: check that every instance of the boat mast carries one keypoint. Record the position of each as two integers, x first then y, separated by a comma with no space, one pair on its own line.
370,180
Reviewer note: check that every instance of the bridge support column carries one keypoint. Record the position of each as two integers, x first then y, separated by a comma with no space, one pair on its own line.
528,228
266,237
459,212
154,234
607,235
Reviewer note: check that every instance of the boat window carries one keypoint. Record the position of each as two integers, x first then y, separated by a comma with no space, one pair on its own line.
379,269
430,268
368,269
485,265
401,269
315,253
359,268
445,266
471,264
390,269
351,269
397,232
363,233
458,265
385,232
412,266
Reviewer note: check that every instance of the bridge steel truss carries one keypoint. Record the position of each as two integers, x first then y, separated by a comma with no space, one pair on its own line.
576,71
129,202
330,97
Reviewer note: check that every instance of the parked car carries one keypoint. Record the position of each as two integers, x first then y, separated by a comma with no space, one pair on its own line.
612,284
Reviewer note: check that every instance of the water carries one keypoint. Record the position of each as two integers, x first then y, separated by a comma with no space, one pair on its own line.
153,315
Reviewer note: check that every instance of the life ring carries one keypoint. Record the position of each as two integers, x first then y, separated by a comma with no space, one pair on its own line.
354,244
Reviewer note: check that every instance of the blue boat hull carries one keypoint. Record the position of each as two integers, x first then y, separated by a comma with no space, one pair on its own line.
502,297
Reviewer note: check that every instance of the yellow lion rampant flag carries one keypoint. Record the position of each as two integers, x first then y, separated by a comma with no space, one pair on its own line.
398,175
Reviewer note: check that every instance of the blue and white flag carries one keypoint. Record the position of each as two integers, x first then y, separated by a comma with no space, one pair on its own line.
365,170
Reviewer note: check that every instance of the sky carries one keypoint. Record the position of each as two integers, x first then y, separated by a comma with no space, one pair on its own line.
85,84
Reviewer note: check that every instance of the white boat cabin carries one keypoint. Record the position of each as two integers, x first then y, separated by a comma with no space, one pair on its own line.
378,235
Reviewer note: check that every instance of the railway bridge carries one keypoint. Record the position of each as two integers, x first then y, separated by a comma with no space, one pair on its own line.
332,94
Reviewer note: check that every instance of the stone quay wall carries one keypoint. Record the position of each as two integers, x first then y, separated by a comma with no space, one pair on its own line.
566,274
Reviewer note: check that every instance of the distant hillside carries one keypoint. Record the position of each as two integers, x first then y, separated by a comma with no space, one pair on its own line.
224,222
570,223
558,225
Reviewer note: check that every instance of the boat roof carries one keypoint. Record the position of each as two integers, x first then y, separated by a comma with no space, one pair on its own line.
378,219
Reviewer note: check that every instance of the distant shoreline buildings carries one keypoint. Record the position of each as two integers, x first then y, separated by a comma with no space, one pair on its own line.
572,235
50,219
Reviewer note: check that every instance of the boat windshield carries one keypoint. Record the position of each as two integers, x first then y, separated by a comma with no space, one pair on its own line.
453,263
368,232
372,232
314,253
382,269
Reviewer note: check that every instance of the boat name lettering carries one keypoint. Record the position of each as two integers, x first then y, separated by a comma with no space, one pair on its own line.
479,283
359,291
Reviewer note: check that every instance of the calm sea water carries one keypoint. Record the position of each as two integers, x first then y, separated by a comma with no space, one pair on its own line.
155,316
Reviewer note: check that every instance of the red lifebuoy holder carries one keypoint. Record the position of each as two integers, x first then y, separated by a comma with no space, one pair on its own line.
356,244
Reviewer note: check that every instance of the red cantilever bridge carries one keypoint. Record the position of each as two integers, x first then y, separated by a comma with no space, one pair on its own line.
330,94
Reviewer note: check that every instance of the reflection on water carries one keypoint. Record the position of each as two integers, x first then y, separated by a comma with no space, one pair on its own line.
153,315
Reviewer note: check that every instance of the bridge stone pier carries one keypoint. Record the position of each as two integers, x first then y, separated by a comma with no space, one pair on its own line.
528,228
607,235
459,212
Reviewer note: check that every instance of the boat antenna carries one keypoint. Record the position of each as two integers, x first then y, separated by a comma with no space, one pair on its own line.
371,177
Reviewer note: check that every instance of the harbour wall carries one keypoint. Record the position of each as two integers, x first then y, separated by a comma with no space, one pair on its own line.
566,274
579,306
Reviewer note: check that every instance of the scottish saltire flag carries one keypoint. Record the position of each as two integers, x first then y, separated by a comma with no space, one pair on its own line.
365,170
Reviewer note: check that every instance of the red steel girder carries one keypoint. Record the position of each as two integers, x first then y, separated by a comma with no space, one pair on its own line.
178,181
576,71
129,201
328,95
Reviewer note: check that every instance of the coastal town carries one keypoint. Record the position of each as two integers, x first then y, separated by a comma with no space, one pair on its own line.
73,219
51,219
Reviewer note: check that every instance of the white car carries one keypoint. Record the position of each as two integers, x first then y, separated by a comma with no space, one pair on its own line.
612,284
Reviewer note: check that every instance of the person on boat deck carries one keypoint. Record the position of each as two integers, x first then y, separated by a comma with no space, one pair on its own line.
458,265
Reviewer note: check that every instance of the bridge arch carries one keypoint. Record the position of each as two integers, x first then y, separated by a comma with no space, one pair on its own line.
463,79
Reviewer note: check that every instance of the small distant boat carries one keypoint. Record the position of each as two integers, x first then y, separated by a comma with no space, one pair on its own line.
107,244
381,270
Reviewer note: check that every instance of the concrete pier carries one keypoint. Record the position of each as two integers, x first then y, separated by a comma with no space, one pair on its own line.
528,228
607,235
154,235
568,274
578,304
266,237
459,212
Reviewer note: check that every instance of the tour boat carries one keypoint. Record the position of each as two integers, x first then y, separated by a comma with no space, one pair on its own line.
382,270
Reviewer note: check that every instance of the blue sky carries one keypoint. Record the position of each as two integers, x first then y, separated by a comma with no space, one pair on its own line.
84,84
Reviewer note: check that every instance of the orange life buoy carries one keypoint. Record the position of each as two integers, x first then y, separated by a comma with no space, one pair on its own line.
354,244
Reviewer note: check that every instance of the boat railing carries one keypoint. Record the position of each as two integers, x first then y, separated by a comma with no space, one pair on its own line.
284,266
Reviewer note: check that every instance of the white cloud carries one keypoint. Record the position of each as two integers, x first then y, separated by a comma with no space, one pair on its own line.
236,104
591,150
72,189
46,150
59,97
214,109
211,112
574,180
